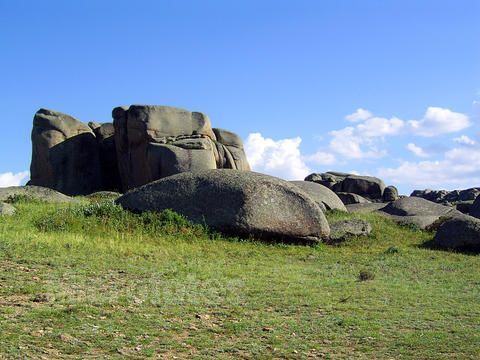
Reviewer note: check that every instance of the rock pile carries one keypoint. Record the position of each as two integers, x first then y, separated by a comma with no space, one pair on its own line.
144,143
354,189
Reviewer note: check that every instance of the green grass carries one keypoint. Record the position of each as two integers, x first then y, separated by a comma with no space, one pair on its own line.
90,280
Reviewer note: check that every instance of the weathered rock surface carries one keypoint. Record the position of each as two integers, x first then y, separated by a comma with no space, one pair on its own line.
390,194
350,198
6,209
417,211
342,230
323,196
235,202
458,232
158,141
143,144
34,192
366,186
230,150
64,154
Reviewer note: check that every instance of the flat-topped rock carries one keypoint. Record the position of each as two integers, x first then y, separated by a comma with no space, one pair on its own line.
417,211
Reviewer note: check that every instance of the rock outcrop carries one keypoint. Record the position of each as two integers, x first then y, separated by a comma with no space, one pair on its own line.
144,143
235,202
447,197
417,211
367,186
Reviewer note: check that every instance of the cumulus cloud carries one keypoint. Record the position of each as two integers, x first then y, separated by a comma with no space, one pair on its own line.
457,169
465,140
11,179
361,141
321,158
417,150
359,115
437,121
348,142
280,158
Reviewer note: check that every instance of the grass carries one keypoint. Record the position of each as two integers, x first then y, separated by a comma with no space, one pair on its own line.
90,280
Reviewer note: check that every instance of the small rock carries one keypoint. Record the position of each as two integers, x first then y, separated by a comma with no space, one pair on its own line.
6,209
341,230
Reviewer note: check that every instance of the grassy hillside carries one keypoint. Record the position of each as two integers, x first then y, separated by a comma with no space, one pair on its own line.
94,280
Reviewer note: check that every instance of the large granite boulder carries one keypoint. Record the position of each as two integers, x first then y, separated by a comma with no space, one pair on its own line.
390,194
235,202
230,149
33,192
64,154
323,196
417,211
158,141
458,232
367,186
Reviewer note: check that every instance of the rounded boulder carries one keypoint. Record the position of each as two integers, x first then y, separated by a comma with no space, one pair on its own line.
322,195
236,203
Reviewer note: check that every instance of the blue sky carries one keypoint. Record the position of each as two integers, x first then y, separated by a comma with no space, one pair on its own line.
284,75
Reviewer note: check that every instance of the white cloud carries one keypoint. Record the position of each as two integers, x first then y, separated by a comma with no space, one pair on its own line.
465,140
438,121
321,158
379,127
11,179
417,150
458,169
281,158
359,115
362,140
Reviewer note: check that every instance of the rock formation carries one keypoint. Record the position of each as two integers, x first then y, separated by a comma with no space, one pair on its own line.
448,197
144,143
368,187
65,155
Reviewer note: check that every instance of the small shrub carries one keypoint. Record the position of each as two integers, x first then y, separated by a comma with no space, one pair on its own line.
365,275
22,198
392,250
